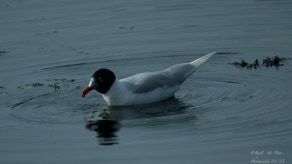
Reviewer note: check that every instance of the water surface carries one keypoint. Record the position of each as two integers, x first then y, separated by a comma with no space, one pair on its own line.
221,114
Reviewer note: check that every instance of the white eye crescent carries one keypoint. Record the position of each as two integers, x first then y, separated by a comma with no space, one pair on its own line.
91,82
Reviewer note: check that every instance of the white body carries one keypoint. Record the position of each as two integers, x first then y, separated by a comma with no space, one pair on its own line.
151,87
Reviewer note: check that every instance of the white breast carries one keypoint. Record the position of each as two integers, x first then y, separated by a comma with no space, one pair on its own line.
120,94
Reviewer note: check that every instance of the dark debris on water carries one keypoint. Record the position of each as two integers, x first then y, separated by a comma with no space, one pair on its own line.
35,84
3,52
268,62
2,90
56,84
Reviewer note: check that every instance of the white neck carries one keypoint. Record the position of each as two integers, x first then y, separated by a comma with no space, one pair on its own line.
114,95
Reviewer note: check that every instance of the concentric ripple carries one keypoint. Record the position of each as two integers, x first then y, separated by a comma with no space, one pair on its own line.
217,99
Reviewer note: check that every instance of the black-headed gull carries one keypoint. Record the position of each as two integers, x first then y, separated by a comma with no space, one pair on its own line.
142,88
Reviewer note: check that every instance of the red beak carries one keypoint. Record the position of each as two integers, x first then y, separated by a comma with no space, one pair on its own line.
86,90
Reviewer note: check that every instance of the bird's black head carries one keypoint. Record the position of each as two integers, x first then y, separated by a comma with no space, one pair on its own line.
101,80
104,79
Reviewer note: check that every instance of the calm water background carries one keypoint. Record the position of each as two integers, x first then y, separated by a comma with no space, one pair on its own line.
221,114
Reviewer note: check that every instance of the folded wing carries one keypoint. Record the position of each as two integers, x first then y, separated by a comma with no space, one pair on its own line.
170,77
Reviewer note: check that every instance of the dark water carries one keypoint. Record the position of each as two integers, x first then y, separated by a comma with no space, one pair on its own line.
221,114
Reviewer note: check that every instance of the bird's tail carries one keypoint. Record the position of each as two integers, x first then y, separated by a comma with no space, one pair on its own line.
198,62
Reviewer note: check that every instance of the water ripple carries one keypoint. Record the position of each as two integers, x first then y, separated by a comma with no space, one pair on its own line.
240,104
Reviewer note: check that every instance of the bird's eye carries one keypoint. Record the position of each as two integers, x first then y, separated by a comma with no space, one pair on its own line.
100,80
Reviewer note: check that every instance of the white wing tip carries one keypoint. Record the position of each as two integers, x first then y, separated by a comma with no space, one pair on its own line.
210,54
213,53
201,60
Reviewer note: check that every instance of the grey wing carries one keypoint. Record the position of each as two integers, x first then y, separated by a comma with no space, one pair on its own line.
181,71
148,81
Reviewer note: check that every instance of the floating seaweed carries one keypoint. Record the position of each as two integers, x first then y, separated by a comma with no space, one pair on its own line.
127,27
3,52
35,85
57,87
275,61
56,84
47,33
244,64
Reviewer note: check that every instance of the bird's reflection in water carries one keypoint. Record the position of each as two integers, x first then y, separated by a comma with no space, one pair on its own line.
105,129
108,123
